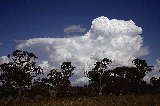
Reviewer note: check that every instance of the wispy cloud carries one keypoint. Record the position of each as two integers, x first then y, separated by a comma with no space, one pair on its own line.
19,41
74,28
0,44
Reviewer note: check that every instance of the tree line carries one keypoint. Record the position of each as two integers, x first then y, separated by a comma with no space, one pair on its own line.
20,78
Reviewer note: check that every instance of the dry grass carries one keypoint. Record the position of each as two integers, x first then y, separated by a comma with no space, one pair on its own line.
129,100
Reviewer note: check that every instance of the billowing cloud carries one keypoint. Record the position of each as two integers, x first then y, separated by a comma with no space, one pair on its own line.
74,28
117,40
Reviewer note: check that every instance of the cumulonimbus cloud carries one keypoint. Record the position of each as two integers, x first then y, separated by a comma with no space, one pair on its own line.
117,40
74,28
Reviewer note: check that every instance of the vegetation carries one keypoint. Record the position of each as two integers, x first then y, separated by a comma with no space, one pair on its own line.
19,83
127,100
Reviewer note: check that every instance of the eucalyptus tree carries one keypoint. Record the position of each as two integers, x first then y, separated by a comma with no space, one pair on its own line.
97,75
18,73
60,79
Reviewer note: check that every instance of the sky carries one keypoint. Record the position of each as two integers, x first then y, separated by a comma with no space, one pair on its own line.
55,20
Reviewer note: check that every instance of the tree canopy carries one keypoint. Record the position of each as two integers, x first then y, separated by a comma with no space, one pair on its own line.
19,77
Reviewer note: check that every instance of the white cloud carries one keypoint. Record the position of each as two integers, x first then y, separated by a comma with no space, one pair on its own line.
74,28
0,44
118,40
155,72
81,81
4,59
157,66
45,66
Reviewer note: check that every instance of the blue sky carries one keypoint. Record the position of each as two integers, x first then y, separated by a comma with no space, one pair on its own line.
25,19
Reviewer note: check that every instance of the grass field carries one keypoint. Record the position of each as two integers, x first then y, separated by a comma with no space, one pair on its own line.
128,100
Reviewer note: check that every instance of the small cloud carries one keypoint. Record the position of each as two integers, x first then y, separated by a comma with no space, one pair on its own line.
74,28
0,44
19,41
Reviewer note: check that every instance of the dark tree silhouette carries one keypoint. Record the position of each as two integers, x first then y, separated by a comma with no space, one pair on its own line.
96,76
155,81
141,67
19,77
123,80
40,87
155,84
116,80
19,72
60,80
